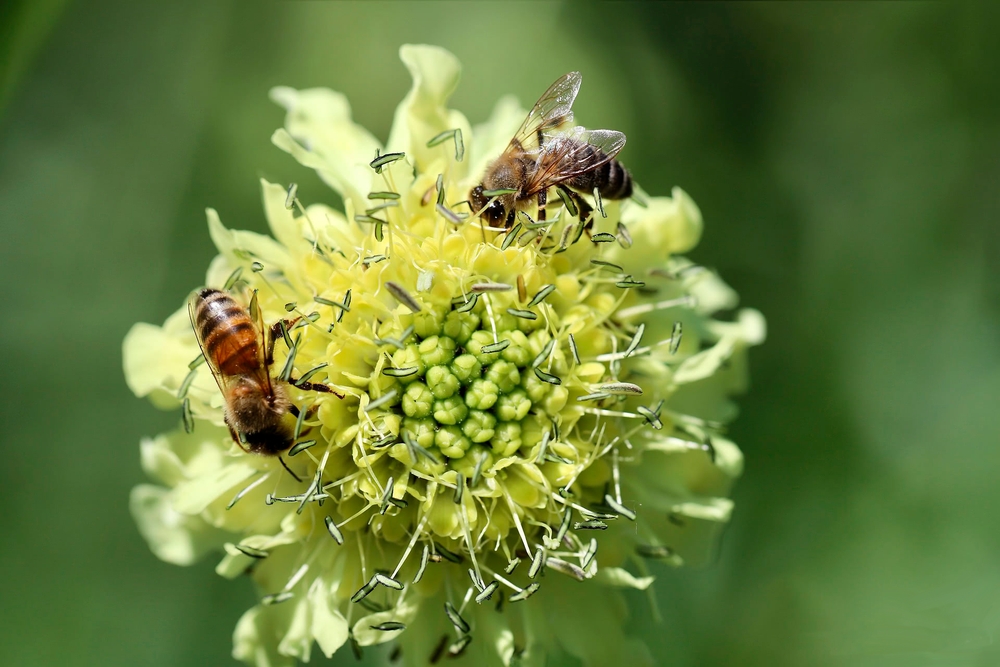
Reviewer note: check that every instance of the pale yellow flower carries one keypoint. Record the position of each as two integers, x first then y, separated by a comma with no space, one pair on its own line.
521,413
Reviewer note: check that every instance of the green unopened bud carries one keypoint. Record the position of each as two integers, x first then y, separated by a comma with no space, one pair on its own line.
427,323
478,426
417,400
459,326
437,350
477,341
408,357
466,368
504,375
513,406
450,410
420,430
482,395
535,388
507,439
441,381
451,441
517,352
475,456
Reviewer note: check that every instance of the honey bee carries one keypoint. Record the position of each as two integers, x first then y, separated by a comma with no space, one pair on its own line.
577,160
237,351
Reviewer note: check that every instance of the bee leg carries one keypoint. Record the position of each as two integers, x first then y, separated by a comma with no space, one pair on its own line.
294,410
509,222
275,334
285,466
542,198
314,386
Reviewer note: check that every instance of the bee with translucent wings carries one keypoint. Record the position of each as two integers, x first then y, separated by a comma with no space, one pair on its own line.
534,161
240,355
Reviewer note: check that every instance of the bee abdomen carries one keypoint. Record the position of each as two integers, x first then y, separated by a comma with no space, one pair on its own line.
226,332
611,179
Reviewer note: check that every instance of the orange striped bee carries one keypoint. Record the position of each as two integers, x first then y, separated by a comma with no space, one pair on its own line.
240,357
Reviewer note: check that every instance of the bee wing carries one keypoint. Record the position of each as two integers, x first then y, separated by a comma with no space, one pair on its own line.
578,152
220,379
262,344
553,108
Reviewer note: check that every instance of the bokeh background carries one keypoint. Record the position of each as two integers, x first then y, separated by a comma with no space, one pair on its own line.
846,157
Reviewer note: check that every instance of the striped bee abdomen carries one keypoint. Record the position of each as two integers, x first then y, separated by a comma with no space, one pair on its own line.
611,179
227,333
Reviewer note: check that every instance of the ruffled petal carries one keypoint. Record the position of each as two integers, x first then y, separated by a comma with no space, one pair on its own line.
174,537
423,113
321,135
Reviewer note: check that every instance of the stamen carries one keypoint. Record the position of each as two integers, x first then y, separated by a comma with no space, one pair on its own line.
619,508
523,314
334,531
186,383
488,592
246,490
675,337
590,524
510,236
401,295
600,263
456,619
621,388
301,447
423,564
186,417
401,372
603,237
381,400
382,160
309,373
383,195
455,134
546,377
252,552
233,277
526,593
479,288
286,371
290,196
458,647
197,361
653,552
572,347
388,582
565,567
589,554
642,309
636,339
496,347
276,598
452,217
388,626
537,562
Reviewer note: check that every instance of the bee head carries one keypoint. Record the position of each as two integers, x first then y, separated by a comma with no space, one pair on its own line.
492,212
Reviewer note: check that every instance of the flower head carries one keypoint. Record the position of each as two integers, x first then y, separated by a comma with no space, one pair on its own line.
530,412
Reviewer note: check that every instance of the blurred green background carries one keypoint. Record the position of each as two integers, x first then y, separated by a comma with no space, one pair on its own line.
846,158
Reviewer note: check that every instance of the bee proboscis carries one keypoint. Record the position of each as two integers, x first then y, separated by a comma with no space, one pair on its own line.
578,160
239,352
